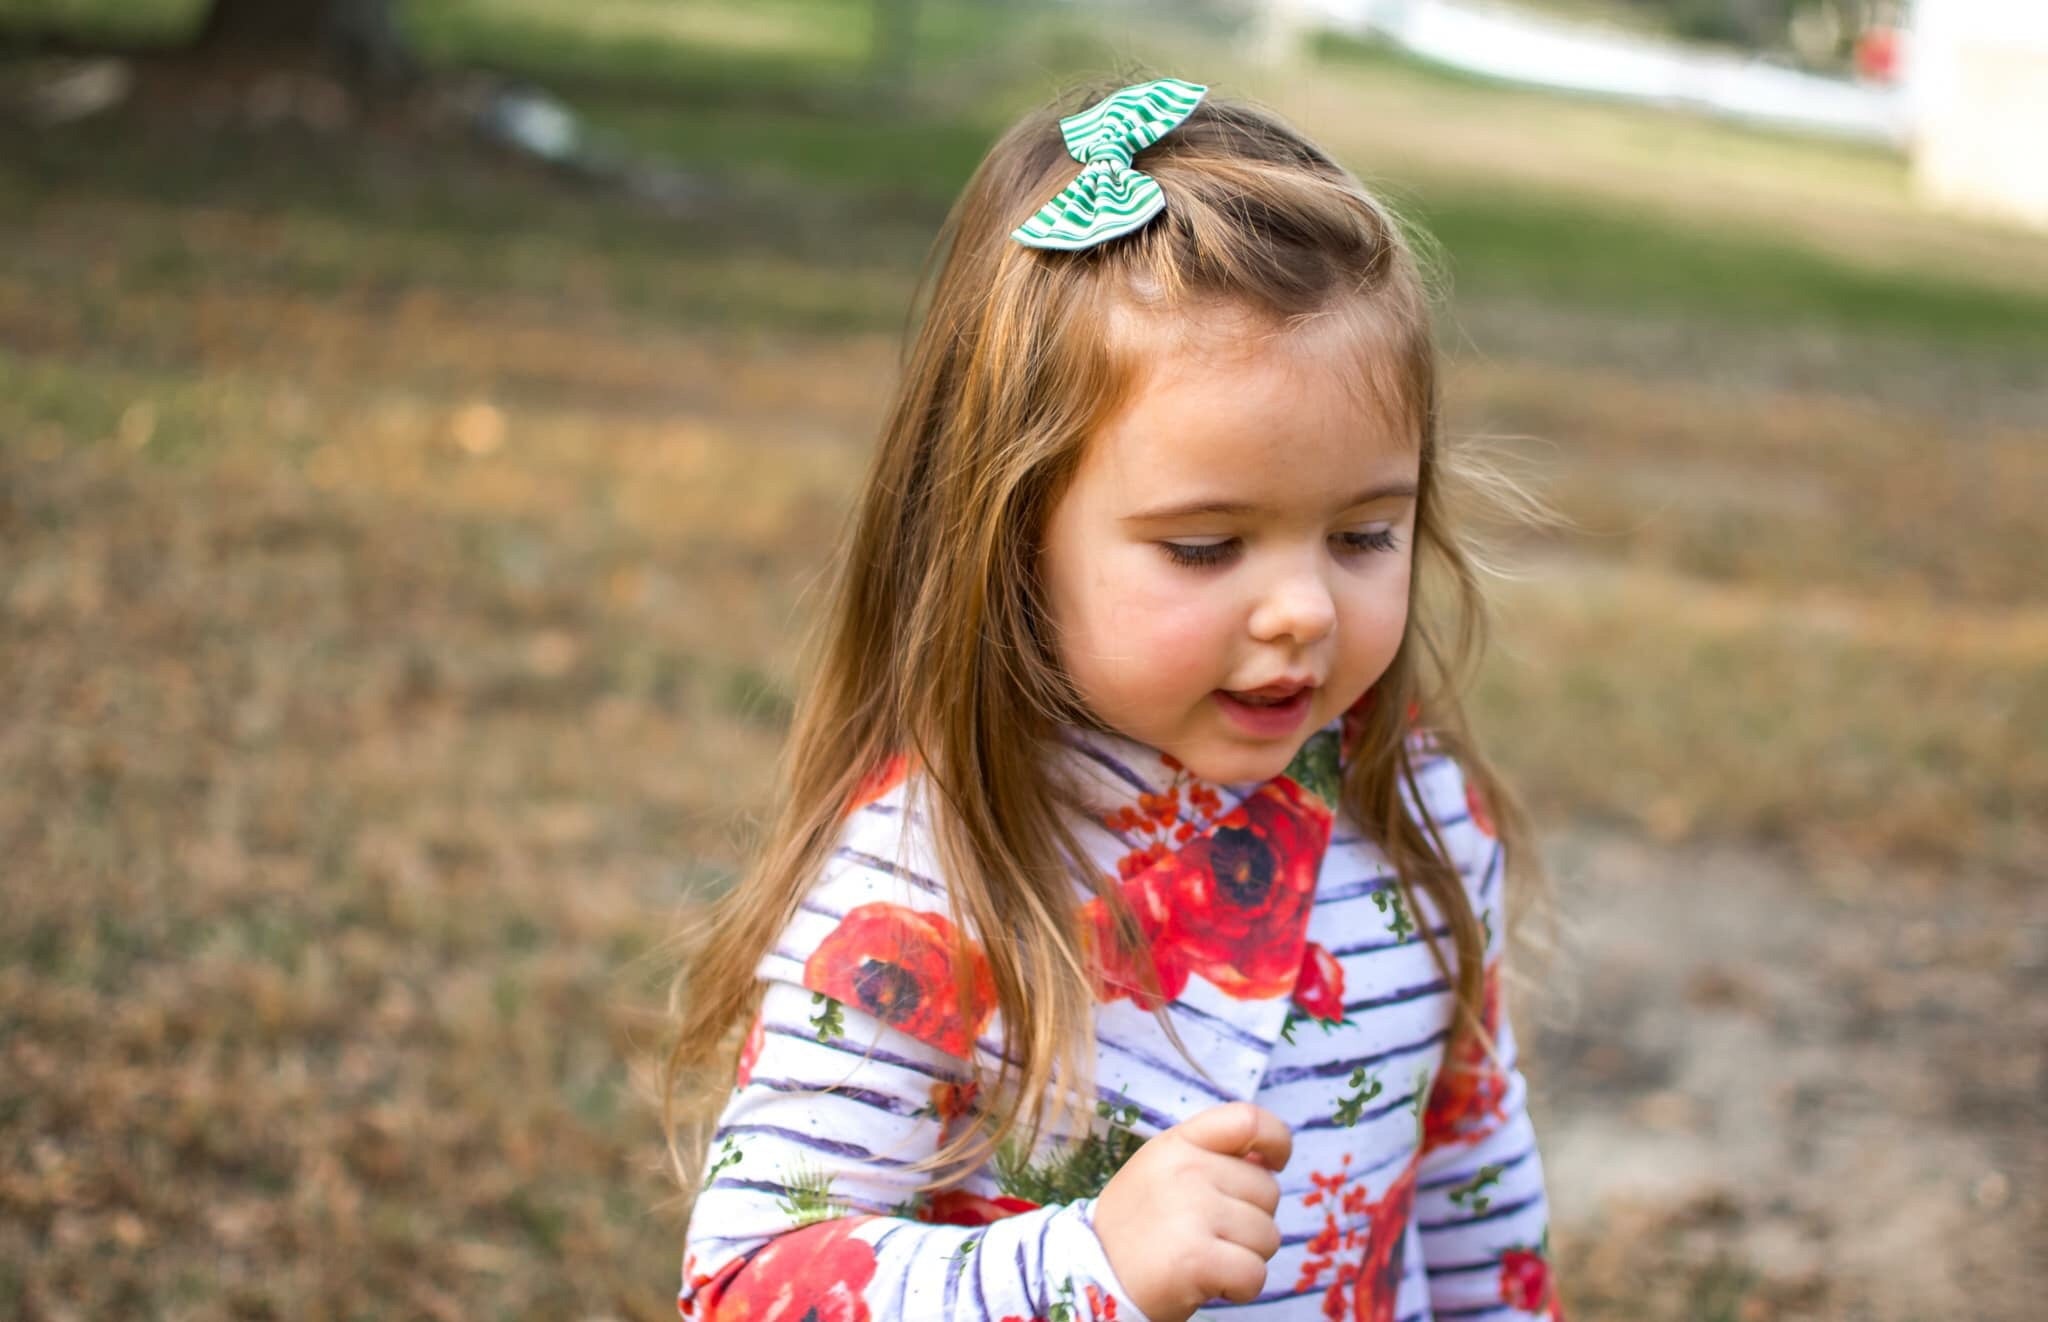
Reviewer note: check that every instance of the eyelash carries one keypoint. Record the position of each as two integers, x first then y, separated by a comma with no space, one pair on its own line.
1217,552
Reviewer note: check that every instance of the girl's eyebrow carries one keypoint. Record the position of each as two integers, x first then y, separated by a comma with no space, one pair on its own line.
1189,509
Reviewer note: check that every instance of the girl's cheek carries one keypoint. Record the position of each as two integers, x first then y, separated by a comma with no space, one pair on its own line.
1166,612
1176,641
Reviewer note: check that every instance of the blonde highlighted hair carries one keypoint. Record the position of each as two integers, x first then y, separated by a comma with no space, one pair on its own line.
934,640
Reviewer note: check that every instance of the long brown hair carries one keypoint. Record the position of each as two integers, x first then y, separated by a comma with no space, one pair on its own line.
934,643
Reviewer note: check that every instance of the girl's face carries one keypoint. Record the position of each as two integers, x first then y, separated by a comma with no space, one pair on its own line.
1245,523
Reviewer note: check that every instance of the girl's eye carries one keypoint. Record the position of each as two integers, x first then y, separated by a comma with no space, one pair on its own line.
1200,553
1215,553
1379,540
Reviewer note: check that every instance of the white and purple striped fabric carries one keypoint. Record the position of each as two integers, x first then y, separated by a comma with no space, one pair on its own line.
1415,1191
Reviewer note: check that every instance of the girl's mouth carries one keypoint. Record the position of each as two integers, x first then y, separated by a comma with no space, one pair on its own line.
1265,717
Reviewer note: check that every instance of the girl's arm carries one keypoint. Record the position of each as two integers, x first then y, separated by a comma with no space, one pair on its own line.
806,1204
1480,1203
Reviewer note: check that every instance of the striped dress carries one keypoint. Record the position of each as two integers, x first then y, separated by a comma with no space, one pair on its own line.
1297,978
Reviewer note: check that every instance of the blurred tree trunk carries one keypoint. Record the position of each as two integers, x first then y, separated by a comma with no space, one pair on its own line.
359,37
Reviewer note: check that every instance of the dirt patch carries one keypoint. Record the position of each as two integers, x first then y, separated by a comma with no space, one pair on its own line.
1767,1094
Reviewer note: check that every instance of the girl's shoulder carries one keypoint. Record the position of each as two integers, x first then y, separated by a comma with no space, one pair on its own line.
874,929
883,852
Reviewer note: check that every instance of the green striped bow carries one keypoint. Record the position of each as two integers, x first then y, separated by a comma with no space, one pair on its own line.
1109,198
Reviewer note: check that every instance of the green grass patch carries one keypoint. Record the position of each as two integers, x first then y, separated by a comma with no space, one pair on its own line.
122,22
1505,241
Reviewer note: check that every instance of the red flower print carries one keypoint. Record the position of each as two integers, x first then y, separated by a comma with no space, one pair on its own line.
1525,1280
1476,805
1155,820
957,1207
1379,1280
1237,898
880,779
1101,1304
1326,1188
1231,904
694,1282
1143,857
1364,1261
951,1101
1319,990
816,1274
1119,968
897,964
750,1051
1470,1090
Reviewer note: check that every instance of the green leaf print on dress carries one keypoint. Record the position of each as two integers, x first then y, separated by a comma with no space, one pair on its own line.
1364,1087
810,1200
1471,1195
1388,901
830,1021
1073,1173
1315,768
728,1155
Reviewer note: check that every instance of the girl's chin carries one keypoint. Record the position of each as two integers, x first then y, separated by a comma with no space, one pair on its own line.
1220,763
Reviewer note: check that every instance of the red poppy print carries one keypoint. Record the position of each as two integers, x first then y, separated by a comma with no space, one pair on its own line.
1319,989
1470,1091
750,1051
896,963
879,780
815,1274
1120,968
957,1207
1475,804
1101,1303
1231,905
1238,898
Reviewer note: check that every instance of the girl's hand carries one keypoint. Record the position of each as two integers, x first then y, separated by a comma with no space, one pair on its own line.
1190,1216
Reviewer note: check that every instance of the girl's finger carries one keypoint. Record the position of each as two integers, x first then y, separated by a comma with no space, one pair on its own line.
1247,1227
1245,1182
1235,1273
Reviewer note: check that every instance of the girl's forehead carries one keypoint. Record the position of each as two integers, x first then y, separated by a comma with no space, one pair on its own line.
1359,346
1266,403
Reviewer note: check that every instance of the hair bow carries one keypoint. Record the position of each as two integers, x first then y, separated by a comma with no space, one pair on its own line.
1109,198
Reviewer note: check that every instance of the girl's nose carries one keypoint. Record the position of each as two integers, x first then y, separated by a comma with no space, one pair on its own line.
1297,608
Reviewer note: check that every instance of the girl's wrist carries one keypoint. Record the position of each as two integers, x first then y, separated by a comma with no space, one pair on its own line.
1105,1271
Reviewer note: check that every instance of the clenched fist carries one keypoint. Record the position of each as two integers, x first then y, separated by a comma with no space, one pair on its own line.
1189,1217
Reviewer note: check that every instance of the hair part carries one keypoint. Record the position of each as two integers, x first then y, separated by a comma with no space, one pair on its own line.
1020,356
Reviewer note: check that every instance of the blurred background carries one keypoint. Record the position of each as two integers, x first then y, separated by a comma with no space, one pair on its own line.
423,424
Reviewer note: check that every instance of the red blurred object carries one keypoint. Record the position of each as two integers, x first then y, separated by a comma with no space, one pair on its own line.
1877,54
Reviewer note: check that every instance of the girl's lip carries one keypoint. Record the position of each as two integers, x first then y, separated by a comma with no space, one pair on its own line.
1270,721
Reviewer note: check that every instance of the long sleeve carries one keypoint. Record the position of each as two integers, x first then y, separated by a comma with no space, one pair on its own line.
807,1208
1480,1204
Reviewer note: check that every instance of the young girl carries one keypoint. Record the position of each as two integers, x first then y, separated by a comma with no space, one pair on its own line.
1128,938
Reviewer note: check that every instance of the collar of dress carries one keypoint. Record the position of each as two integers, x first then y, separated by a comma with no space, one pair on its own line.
1220,877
